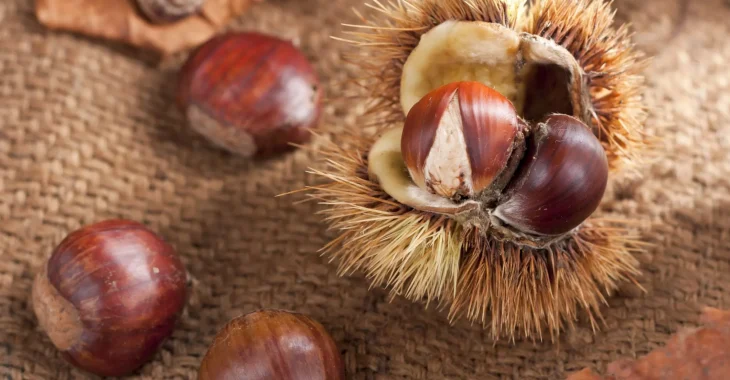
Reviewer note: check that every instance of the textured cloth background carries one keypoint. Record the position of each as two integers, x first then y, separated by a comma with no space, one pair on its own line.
88,131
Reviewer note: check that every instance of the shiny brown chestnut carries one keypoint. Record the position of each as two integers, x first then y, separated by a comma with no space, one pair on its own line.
166,11
459,139
109,296
272,344
250,93
560,182
470,156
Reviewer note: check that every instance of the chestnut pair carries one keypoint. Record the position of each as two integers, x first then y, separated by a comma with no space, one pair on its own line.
471,157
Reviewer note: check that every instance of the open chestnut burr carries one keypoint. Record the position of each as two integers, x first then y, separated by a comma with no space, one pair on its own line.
498,127
109,296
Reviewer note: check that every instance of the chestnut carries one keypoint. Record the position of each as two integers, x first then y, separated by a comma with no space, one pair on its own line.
250,93
461,225
459,138
470,156
109,295
166,11
561,181
272,344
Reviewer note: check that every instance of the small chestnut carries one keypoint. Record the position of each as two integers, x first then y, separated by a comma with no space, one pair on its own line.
560,182
272,345
250,93
165,11
109,296
459,138
471,156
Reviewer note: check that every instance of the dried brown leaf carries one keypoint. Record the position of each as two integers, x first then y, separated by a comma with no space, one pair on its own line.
701,353
119,20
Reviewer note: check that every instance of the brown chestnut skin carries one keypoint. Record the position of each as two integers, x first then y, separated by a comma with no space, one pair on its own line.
465,143
109,296
561,180
250,93
272,345
459,138
167,11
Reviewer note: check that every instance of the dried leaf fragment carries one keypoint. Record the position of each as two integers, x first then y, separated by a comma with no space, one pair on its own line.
701,353
120,20
586,374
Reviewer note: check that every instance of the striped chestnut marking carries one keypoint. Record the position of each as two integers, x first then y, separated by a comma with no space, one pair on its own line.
251,94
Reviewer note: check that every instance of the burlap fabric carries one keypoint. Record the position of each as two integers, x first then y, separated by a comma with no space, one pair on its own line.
88,131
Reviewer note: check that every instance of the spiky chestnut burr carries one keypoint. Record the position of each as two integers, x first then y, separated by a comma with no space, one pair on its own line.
557,57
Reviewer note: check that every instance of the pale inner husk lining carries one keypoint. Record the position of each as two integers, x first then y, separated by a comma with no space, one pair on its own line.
538,76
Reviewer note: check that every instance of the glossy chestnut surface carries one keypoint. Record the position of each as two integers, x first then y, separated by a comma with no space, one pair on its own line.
250,93
272,345
459,138
465,143
109,296
166,11
561,180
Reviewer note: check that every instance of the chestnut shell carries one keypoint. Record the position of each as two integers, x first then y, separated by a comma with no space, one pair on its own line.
126,287
272,344
168,11
488,123
250,93
561,180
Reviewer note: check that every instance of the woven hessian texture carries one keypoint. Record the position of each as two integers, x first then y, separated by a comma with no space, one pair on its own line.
88,131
